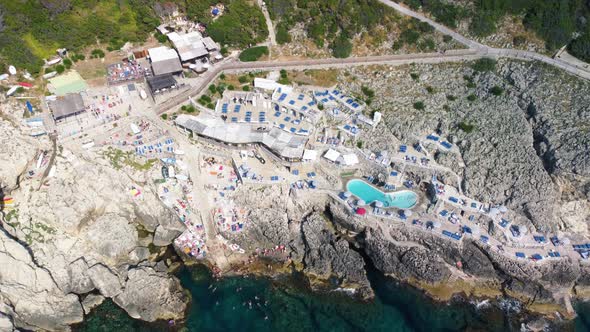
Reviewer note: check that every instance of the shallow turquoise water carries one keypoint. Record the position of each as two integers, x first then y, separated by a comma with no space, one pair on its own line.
259,304
404,199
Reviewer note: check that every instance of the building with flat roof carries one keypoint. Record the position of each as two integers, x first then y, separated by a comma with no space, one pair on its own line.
63,107
161,83
285,145
164,60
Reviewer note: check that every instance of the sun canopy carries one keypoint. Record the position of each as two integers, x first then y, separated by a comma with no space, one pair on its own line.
332,155
361,211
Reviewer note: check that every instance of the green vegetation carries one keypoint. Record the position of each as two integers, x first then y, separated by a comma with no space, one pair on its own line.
330,23
67,63
188,108
359,144
241,25
419,105
245,88
60,69
445,13
97,53
45,26
212,88
283,36
496,90
414,76
120,158
164,116
284,78
430,89
368,92
580,47
253,53
222,76
451,98
471,97
466,127
243,79
484,64
553,21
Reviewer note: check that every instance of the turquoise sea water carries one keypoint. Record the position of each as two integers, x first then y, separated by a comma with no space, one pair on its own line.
260,304
404,199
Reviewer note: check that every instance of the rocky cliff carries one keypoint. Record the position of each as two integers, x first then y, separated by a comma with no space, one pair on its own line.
71,238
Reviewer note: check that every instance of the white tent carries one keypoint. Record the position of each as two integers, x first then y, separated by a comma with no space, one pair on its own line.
350,159
310,154
332,155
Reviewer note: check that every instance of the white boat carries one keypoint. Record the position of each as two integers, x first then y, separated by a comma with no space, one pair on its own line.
12,90
171,172
12,70
50,75
179,152
3,77
142,94
39,161
53,61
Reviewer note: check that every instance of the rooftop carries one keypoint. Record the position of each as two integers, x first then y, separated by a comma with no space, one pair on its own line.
67,105
190,45
282,143
164,60
298,102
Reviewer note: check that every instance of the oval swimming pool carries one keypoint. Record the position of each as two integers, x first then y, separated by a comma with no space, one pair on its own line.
404,199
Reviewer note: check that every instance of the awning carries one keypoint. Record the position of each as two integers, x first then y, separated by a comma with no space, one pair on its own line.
332,155
310,154
350,159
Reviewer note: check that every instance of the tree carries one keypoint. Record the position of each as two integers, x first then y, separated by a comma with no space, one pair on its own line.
496,90
580,47
342,47
419,105
283,36
484,64
60,69
253,53
56,7
67,63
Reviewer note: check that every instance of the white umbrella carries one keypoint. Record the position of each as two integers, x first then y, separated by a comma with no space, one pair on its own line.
437,224
360,202
503,209
494,211
407,213
378,204
347,194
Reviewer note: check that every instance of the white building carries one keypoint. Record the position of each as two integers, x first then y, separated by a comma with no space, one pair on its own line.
164,60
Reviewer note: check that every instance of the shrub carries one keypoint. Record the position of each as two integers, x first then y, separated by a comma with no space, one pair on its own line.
206,98
429,89
484,64
222,76
466,127
471,97
97,53
67,63
60,69
245,88
451,98
283,35
212,88
447,38
359,144
243,79
253,53
342,47
210,106
224,51
519,40
164,116
496,90
368,92
419,105
580,47
161,38
190,109
414,76
321,107
231,87
409,36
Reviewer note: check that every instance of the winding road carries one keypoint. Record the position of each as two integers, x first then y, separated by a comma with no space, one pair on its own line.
474,51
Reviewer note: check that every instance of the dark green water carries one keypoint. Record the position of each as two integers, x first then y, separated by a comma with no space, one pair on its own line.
259,304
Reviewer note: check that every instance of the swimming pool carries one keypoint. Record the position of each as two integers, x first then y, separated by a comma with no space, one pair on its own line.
404,199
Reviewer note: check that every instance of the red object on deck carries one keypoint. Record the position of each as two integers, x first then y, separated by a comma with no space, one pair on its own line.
361,211
25,84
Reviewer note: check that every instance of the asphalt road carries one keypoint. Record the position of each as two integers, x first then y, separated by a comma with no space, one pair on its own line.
475,51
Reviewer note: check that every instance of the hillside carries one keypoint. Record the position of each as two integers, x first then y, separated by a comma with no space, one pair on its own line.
45,25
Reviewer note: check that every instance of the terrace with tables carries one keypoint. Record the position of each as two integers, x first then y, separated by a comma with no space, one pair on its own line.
296,105
347,101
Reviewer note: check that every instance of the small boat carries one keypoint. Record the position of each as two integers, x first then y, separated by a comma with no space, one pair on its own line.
50,74
142,94
12,70
12,90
